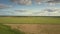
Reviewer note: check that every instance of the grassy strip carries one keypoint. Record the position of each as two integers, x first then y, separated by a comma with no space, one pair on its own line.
30,20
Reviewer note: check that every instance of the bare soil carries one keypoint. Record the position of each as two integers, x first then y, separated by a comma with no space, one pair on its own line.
37,28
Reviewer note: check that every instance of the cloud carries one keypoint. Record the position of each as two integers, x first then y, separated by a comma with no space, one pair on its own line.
40,1
44,12
3,6
52,12
50,2
15,13
53,1
21,11
29,2
22,2
48,12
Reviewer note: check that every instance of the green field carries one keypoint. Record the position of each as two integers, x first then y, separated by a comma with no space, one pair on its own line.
40,20
47,29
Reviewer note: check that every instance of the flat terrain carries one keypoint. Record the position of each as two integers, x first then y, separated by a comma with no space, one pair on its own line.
30,25
32,20
4,29
36,28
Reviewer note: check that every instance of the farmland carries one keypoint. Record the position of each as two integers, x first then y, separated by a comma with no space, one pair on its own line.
30,20
29,25
37,28
29,29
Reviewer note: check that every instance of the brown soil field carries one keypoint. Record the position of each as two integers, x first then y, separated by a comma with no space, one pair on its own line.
36,28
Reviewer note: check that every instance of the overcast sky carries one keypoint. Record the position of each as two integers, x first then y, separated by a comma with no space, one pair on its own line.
30,7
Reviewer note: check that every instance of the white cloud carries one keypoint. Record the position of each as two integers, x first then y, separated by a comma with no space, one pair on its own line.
22,2
22,12
16,13
48,12
3,6
54,1
29,2
50,2
44,12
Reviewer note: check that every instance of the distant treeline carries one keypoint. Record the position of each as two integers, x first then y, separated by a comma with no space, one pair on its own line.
32,16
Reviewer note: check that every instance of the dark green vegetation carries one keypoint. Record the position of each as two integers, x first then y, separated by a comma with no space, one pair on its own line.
29,19
7,30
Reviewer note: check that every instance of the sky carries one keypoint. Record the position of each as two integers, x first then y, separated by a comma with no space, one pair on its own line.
30,7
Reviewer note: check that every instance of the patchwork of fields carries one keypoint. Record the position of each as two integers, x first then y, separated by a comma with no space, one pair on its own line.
30,25
40,20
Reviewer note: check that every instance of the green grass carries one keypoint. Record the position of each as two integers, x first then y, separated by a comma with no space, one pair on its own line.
45,20
7,30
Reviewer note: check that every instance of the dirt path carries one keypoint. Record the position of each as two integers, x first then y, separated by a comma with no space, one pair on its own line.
37,28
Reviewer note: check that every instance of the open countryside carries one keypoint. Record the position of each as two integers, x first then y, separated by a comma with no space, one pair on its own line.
30,20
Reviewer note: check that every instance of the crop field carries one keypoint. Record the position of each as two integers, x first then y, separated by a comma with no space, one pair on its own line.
29,29
29,25
30,20
36,28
